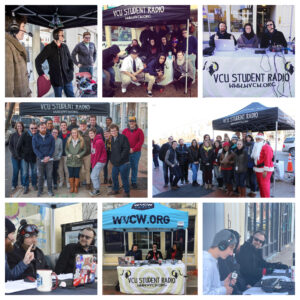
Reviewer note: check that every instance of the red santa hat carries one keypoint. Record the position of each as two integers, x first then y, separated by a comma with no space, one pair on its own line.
260,136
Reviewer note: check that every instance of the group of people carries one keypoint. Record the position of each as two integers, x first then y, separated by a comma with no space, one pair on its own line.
154,254
73,152
146,62
60,61
226,256
248,39
238,162
23,257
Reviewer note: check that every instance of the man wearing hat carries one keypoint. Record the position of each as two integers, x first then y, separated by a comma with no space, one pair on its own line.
131,70
86,160
135,136
234,140
262,154
18,270
222,246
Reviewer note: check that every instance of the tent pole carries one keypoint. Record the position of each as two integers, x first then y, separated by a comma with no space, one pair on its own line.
53,245
124,242
187,53
185,258
276,132
172,238
148,241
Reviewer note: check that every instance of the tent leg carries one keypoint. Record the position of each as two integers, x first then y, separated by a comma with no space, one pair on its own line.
172,238
185,259
187,53
275,157
148,241
124,242
53,245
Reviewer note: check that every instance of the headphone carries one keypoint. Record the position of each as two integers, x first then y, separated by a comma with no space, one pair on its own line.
89,229
266,27
252,237
14,27
223,245
22,231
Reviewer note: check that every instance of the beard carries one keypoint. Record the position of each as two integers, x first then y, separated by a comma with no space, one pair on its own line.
8,246
256,151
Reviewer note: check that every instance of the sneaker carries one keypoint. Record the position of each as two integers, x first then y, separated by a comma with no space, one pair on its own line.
40,193
135,83
134,186
94,193
26,190
61,184
124,90
50,193
126,195
149,93
13,188
35,188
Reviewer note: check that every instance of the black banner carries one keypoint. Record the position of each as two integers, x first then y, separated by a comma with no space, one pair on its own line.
63,108
140,15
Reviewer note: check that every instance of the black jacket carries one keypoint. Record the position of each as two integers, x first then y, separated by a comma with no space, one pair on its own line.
120,150
224,36
17,255
155,149
137,255
12,145
158,255
108,56
178,254
252,263
145,36
241,161
194,154
182,154
207,158
24,148
66,260
270,39
163,150
61,67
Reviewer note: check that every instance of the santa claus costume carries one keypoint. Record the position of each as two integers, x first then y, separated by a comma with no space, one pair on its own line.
262,154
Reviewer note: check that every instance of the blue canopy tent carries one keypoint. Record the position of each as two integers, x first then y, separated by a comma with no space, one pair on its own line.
150,217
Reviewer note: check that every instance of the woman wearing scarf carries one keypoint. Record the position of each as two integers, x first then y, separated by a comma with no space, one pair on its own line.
248,39
194,158
240,168
207,156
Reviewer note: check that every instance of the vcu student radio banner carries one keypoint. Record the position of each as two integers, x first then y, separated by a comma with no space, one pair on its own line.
152,279
253,76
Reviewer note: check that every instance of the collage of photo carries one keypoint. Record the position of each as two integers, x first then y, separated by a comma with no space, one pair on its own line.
219,135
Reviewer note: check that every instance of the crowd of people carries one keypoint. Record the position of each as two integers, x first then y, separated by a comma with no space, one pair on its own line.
23,257
226,256
76,154
248,39
61,62
235,163
145,62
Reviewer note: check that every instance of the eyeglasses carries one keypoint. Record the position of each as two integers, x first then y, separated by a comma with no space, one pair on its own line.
270,24
258,240
31,128
61,35
87,37
85,236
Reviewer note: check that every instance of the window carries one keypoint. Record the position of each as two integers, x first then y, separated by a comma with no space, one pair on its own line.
141,238
214,14
239,16
119,34
114,241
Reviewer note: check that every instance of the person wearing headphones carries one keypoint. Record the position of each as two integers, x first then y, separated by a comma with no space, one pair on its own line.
221,34
18,270
61,66
222,246
16,73
85,245
272,37
250,258
135,251
25,250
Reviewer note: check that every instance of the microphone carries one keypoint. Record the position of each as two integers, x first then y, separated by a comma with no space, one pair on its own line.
28,33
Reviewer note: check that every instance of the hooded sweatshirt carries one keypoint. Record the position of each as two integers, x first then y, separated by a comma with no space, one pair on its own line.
98,151
108,55
135,138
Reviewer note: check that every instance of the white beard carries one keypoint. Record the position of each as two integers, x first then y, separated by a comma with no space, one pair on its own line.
256,151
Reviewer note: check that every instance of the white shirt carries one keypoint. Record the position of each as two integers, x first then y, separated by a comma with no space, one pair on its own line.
128,63
212,284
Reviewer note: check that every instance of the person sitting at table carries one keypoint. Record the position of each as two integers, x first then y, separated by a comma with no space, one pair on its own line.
228,265
248,39
222,246
181,70
134,44
250,258
85,245
27,239
154,254
137,253
272,36
154,72
174,252
131,70
221,34
17,271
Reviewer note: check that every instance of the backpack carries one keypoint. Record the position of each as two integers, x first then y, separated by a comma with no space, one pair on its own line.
162,152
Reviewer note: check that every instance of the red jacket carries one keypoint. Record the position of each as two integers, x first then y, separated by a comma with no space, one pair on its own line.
135,138
98,151
264,163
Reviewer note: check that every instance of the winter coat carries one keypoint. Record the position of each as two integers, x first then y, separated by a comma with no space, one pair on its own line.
171,158
243,42
61,67
98,151
224,36
14,273
136,254
135,138
165,48
182,68
145,36
182,154
119,150
64,139
217,156
58,149
270,39
130,47
178,254
249,148
158,255
72,159
87,141
155,149
207,158
12,145
228,161
16,74
24,147
194,154
108,56
193,45
241,161
43,146
86,55
154,66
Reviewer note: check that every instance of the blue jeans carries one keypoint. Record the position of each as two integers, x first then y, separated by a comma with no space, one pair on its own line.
17,167
26,166
240,179
134,159
74,172
155,160
68,88
167,169
95,175
124,171
87,69
195,168
252,179
112,74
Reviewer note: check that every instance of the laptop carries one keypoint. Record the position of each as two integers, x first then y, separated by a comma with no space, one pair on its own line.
224,45
85,269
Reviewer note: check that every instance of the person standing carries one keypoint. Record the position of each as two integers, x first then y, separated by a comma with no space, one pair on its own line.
108,122
183,159
146,35
108,165
194,158
75,150
155,153
15,158
181,70
73,123
240,168
49,125
251,177
16,74
120,152
135,136
93,123
61,68
56,156
62,168
216,164
262,154
87,54
25,151
162,154
43,144
207,156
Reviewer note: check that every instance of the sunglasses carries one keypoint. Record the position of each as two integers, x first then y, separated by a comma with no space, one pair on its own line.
258,240
271,24
85,236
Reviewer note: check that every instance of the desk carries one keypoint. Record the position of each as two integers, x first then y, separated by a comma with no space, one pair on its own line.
153,279
242,73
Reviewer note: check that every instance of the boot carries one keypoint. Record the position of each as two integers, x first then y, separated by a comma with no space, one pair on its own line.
243,192
71,181
230,190
76,185
220,183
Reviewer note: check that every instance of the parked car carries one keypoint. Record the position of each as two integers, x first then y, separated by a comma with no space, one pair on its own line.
289,145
